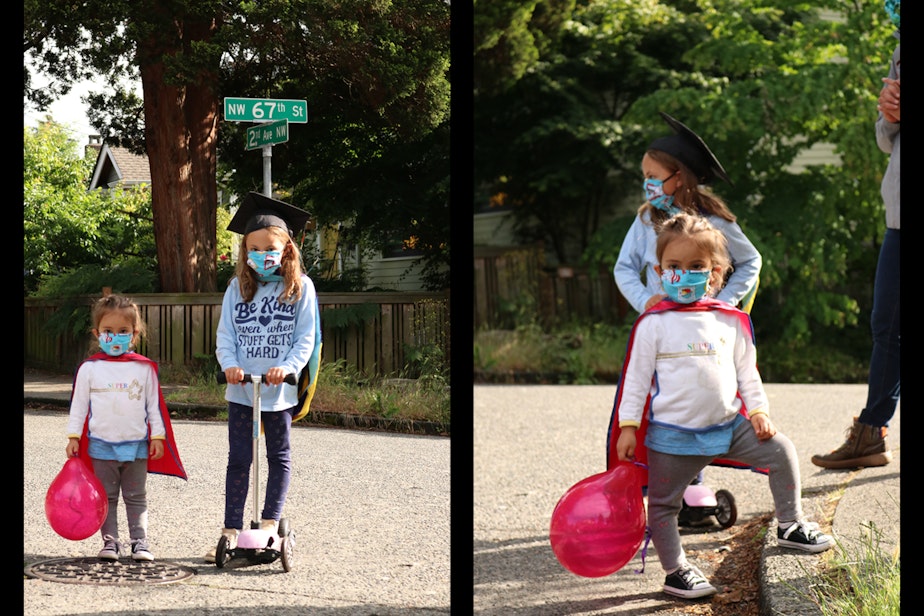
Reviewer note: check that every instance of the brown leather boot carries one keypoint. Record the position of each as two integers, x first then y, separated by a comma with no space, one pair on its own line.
865,446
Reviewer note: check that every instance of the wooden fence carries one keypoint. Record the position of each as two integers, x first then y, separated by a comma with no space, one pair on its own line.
371,331
513,283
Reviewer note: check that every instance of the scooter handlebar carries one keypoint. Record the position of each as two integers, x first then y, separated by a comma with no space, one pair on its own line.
290,379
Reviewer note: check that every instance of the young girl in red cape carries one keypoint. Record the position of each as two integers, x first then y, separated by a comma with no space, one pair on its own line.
119,424
689,374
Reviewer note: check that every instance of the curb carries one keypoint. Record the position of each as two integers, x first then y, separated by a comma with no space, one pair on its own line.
180,410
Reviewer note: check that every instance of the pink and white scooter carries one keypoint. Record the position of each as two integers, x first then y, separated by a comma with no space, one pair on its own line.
255,545
700,502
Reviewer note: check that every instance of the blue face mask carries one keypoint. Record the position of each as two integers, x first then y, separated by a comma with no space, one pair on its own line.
685,286
114,344
265,263
654,193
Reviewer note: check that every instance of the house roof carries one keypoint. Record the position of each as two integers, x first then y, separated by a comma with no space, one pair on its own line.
119,166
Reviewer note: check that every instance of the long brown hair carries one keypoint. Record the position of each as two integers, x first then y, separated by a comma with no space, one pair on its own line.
290,267
692,198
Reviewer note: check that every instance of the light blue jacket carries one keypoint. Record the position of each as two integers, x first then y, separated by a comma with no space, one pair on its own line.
266,333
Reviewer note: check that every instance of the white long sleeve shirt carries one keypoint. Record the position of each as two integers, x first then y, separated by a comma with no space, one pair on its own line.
121,398
693,364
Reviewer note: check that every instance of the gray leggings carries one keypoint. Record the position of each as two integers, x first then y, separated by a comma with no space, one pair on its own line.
669,475
131,478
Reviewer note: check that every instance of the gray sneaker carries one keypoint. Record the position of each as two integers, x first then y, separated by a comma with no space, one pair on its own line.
140,550
111,548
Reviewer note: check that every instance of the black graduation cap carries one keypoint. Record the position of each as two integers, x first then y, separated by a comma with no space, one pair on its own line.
687,147
259,211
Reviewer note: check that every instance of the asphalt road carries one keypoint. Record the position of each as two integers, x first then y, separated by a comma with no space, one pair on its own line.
531,443
370,512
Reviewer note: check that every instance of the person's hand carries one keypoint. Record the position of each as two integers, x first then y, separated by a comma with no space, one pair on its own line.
73,445
763,427
625,445
654,299
275,375
234,375
156,450
890,100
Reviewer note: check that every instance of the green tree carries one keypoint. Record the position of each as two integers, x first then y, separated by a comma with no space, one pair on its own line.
373,159
762,82
64,225
362,65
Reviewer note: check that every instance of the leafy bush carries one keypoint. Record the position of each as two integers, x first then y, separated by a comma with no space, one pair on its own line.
130,276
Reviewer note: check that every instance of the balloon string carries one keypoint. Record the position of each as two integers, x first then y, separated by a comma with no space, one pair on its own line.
645,548
647,529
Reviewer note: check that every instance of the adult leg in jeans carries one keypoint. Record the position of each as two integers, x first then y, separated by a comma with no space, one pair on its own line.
866,439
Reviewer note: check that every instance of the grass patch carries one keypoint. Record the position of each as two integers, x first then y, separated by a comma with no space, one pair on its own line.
341,389
592,353
863,580
574,353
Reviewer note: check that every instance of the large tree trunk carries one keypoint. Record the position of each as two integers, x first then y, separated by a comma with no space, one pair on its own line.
181,132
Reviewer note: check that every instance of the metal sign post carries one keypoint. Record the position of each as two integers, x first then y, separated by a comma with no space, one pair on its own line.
273,117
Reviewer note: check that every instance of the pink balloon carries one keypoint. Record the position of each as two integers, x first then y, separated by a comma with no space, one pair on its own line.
599,523
76,504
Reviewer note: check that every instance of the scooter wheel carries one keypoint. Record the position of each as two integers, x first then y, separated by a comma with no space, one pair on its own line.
221,552
286,547
726,510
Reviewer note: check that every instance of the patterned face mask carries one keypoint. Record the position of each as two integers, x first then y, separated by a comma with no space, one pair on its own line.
114,344
654,193
685,286
265,263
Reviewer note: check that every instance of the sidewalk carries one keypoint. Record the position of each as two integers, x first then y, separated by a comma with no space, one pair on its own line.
531,443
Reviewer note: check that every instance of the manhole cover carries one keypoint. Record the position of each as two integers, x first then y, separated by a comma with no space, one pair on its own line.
107,573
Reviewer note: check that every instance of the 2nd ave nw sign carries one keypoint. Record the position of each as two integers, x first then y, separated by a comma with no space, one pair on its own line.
267,134
265,110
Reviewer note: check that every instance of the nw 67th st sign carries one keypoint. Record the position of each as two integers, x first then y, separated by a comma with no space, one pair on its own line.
265,110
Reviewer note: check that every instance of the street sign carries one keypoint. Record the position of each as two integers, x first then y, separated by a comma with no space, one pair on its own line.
267,134
265,110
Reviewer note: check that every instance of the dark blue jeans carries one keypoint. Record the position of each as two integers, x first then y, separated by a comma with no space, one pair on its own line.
885,363
276,428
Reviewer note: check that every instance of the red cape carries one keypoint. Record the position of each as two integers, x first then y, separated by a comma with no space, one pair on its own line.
641,452
170,463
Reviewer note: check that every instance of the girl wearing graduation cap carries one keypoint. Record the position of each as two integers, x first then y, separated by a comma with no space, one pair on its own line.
677,170
268,326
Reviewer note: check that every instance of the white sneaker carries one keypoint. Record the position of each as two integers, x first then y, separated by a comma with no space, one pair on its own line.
231,534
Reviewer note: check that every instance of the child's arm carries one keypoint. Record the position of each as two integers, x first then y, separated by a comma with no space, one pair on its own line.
73,446
156,448
625,446
631,263
763,427
746,261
